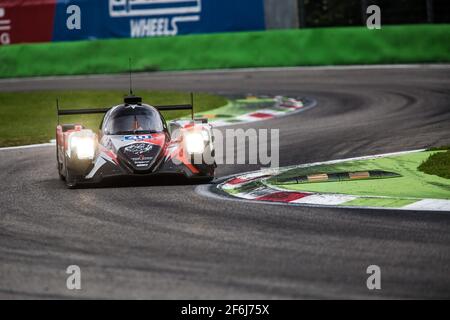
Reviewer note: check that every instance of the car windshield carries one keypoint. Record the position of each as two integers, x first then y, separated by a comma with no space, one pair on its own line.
137,120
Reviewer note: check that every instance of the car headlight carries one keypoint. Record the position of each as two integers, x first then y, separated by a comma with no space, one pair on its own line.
84,147
195,142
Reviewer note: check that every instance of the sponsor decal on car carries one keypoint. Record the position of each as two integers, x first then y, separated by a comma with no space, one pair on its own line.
142,161
138,148
141,154
136,138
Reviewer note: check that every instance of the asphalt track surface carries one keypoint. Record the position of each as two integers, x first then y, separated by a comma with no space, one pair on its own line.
158,240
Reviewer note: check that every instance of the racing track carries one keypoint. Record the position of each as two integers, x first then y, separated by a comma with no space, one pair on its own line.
166,241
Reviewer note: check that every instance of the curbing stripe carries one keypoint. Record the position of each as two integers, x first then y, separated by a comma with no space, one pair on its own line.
261,115
255,193
326,199
283,196
250,118
287,106
237,181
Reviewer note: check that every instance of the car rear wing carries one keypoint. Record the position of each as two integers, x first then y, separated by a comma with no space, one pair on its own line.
179,107
69,112
127,100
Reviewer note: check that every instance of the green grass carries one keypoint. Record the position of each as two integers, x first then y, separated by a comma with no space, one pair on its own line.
30,117
437,164
379,202
412,184
276,48
439,148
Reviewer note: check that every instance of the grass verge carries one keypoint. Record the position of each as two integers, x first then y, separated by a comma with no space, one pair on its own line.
437,164
412,184
30,117
277,48
379,202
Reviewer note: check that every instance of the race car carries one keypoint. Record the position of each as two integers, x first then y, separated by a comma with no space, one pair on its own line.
133,140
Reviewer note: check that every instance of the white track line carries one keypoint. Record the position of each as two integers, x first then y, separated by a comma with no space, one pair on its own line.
31,146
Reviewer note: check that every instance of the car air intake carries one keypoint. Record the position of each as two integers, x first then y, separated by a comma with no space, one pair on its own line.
139,157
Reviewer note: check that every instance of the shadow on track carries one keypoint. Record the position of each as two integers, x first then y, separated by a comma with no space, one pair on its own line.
133,182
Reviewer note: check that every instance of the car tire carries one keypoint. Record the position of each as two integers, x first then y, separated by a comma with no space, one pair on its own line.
207,179
202,180
61,176
71,180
